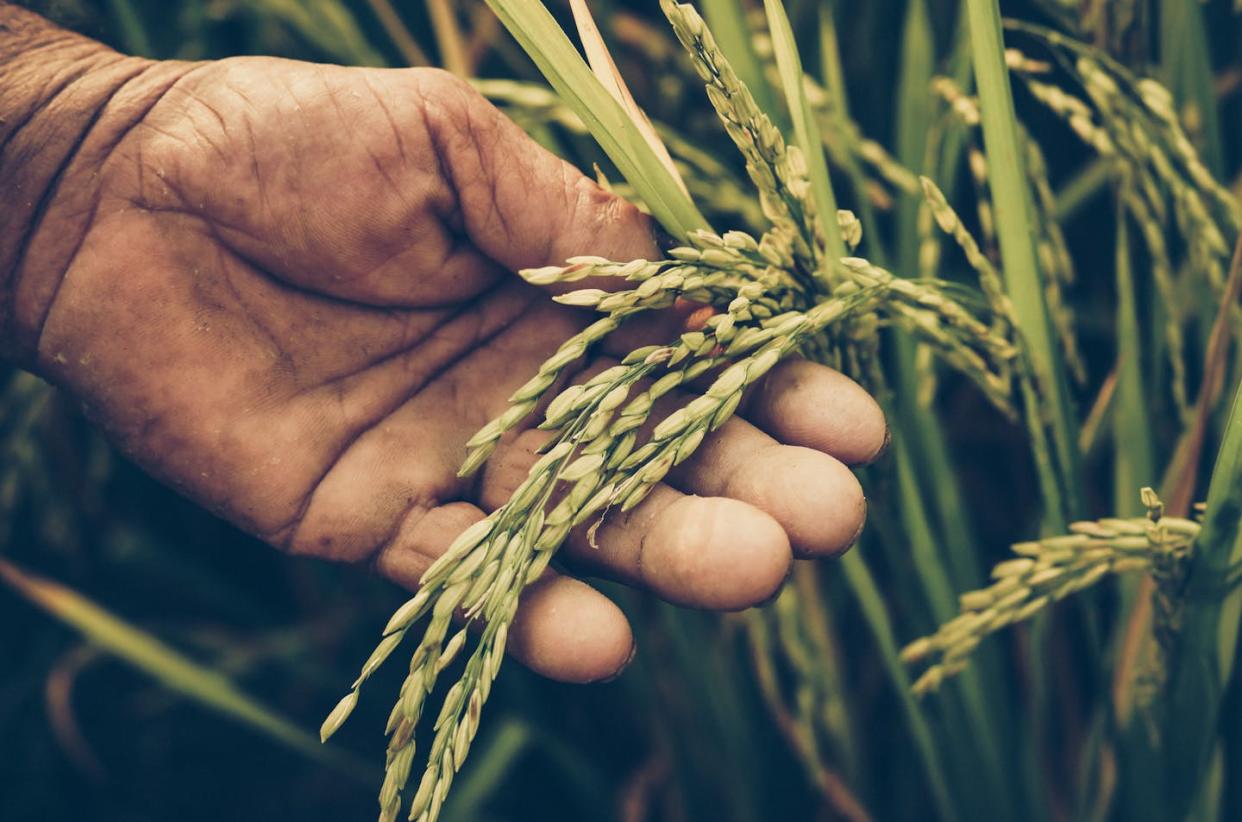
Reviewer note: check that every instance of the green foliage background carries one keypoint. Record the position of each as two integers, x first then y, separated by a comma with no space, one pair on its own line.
685,733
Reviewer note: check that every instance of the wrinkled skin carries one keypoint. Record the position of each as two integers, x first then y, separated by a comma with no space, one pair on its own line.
293,300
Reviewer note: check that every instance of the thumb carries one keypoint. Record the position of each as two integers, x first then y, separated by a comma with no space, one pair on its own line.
517,202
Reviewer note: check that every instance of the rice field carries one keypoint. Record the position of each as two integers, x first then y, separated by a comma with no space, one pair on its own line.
1016,224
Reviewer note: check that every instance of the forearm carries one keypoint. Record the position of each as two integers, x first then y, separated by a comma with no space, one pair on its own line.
65,101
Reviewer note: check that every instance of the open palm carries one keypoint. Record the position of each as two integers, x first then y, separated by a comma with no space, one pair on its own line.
295,303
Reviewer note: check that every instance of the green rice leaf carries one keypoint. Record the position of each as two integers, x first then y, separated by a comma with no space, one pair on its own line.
806,131
605,69
1007,179
879,623
1134,464
616,131
172,669
1205,657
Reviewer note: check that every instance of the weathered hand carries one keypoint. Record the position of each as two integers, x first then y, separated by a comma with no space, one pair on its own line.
289,295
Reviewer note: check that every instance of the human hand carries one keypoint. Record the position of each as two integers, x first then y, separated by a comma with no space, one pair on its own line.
286,289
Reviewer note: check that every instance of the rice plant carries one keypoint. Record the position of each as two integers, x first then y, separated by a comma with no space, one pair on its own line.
791,291
1030,251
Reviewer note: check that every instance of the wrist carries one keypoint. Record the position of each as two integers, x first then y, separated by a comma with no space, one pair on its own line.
65,103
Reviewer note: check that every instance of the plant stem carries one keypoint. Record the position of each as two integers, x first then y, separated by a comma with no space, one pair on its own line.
533,26
405,43
1133,460
871,602
1007,178
1204,659
172,669
134,37
448,37
806,130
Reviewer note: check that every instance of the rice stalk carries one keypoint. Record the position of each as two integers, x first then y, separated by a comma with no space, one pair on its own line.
172,669
706,178
1008,184
1048,570
875,614
782,291
868,193
1209,608
542,38
770,304
1131,121
449,41
1055,262
843,140
829,245
777,171
1153,162
399,33
484,571
814,717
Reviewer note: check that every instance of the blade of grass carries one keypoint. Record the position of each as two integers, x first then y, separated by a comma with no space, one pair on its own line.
1099,419
328,26
924,546
404,42
1144,771
488,770
1208,638
1134,463
1209,635
542,38
806,131
134,37
913,118
1133,467
985,754
605,69
959,68
834,83
1208,804
1186,69
875,613
448,36
1133,457
1007,179
921,428
171,668
821,630
1082,187
709,669
799,730
932,483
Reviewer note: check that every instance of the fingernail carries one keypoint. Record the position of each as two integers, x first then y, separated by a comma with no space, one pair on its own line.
617,674
858,533
883,449
775,595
